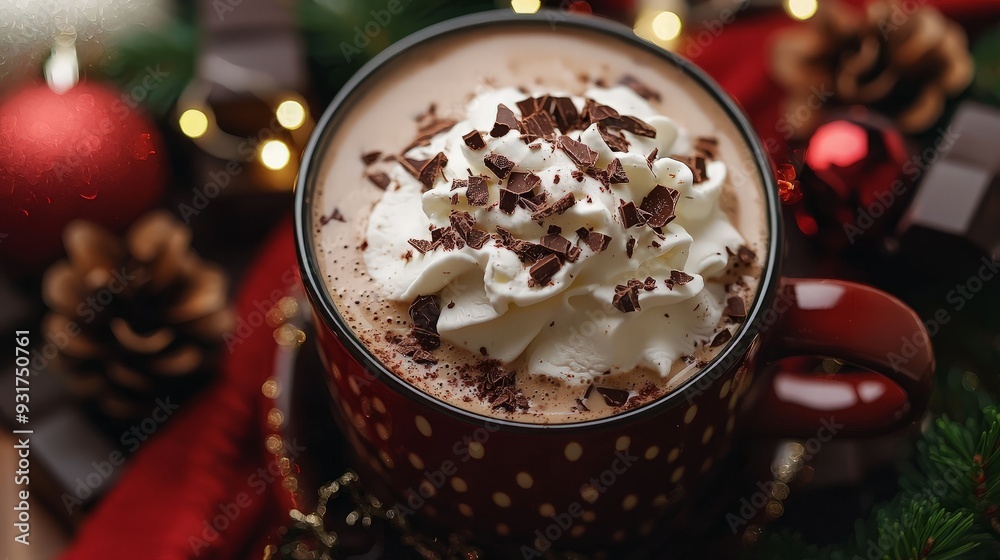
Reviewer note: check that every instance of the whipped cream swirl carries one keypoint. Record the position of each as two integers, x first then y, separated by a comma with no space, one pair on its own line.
575,322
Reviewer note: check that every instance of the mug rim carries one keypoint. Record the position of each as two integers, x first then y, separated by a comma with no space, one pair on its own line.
316,289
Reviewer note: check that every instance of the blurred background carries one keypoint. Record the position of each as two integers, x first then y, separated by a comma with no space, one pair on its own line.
160,139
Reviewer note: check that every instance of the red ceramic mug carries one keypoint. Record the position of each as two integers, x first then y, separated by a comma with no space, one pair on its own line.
606,483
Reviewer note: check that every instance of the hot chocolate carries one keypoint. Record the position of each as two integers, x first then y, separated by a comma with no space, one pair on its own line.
545,227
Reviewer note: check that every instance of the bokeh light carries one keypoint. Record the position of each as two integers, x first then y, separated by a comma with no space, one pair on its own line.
291,114
525,6
667,26
193,123
801,9
274,154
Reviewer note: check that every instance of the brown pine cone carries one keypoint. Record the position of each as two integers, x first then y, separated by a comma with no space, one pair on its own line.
901,62
142,316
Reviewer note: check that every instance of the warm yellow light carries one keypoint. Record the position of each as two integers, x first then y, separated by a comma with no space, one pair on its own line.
274,154
193,123
291,114
525,6
667,26
801,9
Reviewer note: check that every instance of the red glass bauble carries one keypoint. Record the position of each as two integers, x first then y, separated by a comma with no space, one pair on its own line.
88,153
854,177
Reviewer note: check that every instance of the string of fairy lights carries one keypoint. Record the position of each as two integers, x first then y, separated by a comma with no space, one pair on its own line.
659,21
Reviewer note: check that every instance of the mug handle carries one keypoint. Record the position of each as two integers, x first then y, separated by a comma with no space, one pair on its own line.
860,325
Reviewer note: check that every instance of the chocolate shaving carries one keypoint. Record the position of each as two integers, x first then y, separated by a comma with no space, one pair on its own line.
680,277
707,146
631,215
498,164
616,173
578,175
600,174
462,222
565,114
454,199
370,157
505,121
613,397
498,387
540,125
626,299
424,357
580,153
421,245
736,307
478,192
334,215
595,112
596,241
630,246
723,337
615,140
508,201
651,158
413,166
649,284
557,207
424,312
543,270
631,124
745,255
699,170
474,140
434,167
661,203
526,107
380,180
554,229
477,238
522,183
429,130
556,243
459,184
640,88
448,239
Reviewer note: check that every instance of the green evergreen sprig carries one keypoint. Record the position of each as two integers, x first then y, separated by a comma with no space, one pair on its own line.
946,511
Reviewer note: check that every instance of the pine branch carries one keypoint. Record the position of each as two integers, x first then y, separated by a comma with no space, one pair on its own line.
947,510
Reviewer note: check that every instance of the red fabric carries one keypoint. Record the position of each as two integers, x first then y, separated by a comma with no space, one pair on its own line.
206,455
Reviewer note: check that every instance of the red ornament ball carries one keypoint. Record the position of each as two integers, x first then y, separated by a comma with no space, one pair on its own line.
855,176
87,153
